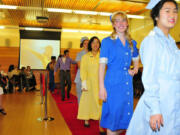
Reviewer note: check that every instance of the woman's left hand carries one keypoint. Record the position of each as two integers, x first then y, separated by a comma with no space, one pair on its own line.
132,72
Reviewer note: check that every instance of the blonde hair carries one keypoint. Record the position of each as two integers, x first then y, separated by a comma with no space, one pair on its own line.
114,33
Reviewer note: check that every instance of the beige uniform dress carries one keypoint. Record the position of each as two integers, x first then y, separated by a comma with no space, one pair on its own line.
90,104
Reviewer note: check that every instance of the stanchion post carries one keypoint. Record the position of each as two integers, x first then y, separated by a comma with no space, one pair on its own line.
41,87
45,104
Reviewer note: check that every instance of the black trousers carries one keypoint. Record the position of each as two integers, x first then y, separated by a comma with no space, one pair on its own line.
65,78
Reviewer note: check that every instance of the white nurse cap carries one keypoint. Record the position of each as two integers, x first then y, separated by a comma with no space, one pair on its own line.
152,4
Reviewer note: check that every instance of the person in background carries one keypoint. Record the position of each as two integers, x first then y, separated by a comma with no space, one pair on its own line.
158,110
3,81
14,80
2,111
84,45
90,105
23,79
116,90
64,63
50,69
31,79
2,86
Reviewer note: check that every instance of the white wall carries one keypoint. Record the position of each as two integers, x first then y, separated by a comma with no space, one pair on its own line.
72,40
9,37
140,28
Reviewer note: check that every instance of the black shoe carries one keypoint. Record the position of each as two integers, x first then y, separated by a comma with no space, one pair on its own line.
32,89
86,125
19,90
3,112
102,133
27,89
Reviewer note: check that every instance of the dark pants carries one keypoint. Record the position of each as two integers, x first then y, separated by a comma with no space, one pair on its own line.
51,81
32,82
3,83
65,78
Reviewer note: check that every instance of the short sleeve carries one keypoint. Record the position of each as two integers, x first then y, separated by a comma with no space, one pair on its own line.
104,52
135,53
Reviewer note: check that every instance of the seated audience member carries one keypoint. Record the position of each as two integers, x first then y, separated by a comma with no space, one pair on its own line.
30,79
2,111
16,79
3,81
11,80
23,80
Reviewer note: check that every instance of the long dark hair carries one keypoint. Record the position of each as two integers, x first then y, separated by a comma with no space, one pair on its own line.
155,11
11,67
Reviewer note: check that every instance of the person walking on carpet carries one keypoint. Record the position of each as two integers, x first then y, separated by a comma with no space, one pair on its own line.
116,90
90,104
158,110
84,45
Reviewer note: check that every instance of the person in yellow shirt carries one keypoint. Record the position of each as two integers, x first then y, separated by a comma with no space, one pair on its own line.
90,105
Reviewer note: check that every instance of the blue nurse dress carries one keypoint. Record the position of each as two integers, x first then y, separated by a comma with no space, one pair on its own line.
161,78
117,110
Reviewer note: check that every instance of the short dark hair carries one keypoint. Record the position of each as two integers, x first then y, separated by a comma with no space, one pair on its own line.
53,57
60,56
66,51
90,42
23,68
155,11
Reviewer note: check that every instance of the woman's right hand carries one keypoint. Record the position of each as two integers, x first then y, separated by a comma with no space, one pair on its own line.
83,90
156,121
103,94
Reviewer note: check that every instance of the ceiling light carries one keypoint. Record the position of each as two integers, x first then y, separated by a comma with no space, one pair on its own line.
32,28
59,10
104,32
2,27
8,7
85,12
135,16
69,30
87,31
105,13
89,12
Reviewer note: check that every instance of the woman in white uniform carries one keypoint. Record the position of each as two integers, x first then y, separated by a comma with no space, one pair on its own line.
158,111
84,44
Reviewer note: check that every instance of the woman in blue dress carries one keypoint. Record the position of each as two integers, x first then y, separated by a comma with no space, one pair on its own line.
158,111
116,90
